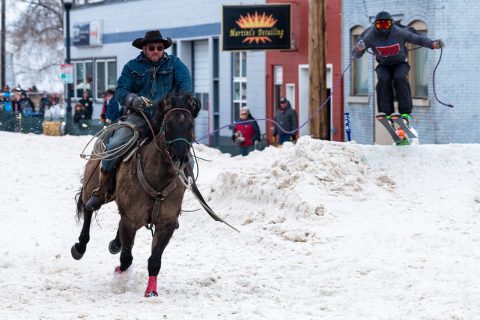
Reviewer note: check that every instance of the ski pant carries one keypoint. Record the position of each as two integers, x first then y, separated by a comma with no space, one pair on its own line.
120,137
398,74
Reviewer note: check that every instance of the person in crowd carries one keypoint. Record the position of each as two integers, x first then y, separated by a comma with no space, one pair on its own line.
112,113
55,112
246,132
7,106
26,104
286,122
79,112
387,41
162,74
87,103
15,101
103,112
45,103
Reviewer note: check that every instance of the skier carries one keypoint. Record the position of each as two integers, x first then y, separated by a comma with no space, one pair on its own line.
386,40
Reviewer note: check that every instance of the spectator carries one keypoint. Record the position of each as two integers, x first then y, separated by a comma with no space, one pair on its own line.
87,103
45,103
113,110
7,106
55,112
246,132
79,113
26,105
15,100
103,113
286,119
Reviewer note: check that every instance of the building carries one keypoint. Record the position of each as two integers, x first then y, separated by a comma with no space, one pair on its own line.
288,70
101,45
456,78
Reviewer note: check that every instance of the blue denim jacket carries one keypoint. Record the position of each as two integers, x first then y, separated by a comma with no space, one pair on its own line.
153,80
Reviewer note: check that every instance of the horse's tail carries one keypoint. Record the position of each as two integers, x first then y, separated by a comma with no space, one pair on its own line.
80,205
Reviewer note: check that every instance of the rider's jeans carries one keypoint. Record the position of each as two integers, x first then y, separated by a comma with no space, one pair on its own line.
120,137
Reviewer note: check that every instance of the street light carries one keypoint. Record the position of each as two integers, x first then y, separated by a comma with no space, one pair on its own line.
68,116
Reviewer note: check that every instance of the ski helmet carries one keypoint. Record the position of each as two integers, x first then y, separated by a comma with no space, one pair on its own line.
383,22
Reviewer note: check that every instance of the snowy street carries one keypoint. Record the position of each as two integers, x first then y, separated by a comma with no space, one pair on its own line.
328,231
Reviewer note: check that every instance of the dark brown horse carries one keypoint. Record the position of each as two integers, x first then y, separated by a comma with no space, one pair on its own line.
148,189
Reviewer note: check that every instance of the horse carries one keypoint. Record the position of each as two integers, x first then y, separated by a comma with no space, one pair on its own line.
148,189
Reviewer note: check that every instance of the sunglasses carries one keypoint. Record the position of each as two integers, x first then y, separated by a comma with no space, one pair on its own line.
244,114
383,24
152,48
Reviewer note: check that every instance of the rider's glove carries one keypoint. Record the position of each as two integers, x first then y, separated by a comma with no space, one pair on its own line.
135,102
437,44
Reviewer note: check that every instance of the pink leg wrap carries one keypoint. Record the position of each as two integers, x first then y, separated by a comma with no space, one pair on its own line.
151,290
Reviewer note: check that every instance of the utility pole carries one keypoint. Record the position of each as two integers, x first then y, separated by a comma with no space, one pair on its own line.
317,74
2,54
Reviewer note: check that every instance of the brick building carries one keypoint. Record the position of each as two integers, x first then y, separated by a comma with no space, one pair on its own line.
457,77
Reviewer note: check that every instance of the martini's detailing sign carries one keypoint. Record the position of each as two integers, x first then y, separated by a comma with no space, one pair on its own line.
258,27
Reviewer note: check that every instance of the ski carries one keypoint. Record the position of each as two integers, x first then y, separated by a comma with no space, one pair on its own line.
397,118
382,118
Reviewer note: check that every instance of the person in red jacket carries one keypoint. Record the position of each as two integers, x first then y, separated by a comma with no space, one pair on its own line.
246,132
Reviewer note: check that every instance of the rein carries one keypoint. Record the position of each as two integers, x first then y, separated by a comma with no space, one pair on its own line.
158,196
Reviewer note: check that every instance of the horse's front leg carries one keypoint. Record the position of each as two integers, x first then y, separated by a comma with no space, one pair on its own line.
160,240
127,233
79,248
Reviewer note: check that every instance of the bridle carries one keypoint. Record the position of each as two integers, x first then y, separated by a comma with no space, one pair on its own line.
162,128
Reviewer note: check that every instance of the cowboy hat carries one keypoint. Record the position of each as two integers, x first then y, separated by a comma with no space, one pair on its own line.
152,37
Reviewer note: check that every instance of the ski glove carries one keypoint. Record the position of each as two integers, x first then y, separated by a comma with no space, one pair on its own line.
437,44
361,46
136,102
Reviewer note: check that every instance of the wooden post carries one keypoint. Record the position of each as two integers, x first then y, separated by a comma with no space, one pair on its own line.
317,74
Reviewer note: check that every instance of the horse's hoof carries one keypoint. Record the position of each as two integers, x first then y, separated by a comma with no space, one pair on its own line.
114,246
75,254
151,294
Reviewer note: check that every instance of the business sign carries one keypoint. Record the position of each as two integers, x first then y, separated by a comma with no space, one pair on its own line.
66,74
256,27
87,34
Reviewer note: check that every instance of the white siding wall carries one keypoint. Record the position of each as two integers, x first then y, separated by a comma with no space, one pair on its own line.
142,15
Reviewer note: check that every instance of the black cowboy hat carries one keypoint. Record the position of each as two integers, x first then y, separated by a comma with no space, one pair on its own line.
152,37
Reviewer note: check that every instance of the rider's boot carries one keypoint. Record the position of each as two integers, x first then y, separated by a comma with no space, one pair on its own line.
99,194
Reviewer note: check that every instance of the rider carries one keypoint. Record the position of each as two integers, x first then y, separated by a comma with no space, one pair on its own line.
387,40
151,75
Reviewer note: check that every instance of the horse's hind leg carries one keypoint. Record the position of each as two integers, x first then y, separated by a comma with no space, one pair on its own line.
79,248
115,245
127,237
160,241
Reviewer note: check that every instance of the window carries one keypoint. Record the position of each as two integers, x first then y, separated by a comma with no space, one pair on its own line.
239,63
106,76
203,98
83,78
81,2
418,59
95,81
359,73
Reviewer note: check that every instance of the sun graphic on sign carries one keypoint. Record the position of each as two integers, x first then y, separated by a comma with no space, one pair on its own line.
256,21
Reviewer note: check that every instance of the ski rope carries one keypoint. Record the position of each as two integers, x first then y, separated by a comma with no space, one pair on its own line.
276,123
433,81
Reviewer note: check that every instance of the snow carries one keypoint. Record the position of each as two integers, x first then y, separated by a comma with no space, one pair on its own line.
328,231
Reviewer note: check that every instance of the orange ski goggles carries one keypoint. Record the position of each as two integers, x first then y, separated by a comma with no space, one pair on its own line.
383,24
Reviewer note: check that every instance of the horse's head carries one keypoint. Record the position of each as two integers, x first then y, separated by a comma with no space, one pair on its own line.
176,114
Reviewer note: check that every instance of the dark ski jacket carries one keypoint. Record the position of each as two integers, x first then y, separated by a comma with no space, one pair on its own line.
390,48
287,119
